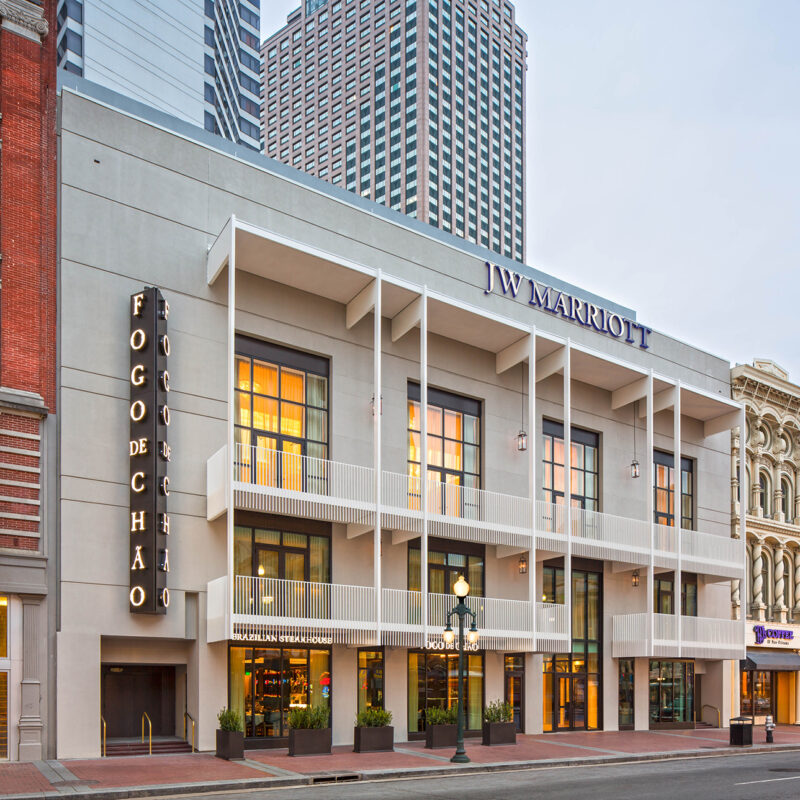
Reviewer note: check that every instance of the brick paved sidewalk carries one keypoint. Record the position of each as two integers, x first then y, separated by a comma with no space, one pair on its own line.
149,774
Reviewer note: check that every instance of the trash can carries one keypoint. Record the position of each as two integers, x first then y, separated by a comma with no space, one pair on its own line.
741,731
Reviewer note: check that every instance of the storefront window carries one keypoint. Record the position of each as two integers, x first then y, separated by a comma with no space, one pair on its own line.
756,699
671,692
267,684
446,561
370,679
584,466
514,679
626,719
454,452
433,681
281,415
3,627
664,490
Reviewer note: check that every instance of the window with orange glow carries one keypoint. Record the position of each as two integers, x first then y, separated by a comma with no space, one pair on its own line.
664,490
281,416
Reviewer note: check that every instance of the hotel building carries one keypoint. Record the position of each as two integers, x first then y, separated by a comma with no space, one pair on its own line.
770,683
417,105
361,408
197,60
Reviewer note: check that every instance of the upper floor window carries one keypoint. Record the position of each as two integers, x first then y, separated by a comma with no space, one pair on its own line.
787,500
663,594
664,490
454,450
584,466
446,561
280,415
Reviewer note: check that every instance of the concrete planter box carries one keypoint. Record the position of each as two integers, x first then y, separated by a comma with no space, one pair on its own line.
230,744
373,740
440,736
499,733
309,741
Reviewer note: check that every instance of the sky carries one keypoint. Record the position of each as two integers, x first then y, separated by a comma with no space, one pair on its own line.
663,162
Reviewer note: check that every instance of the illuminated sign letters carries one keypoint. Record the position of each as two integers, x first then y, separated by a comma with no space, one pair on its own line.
564,305
149,453
762,634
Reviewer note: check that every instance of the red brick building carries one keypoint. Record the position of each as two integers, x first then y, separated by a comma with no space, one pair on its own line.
27,372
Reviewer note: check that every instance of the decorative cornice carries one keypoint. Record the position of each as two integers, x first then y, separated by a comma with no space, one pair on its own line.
760,527
25,18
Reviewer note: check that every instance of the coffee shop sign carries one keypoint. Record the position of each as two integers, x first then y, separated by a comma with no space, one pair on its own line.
565,305
762,634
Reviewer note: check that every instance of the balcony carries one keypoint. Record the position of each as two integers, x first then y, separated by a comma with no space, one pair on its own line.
701,637
274,482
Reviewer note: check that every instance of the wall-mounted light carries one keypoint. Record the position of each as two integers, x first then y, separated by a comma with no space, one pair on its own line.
522,441
523,565
635,578
522,437
635,463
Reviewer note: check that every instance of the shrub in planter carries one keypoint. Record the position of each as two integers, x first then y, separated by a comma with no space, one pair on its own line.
440,727
373,731
498,724
230,737
309,731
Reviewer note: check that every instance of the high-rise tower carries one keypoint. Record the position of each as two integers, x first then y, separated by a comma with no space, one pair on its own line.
417,105
198,59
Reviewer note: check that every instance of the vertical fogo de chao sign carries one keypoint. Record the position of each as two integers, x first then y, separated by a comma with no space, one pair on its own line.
149,453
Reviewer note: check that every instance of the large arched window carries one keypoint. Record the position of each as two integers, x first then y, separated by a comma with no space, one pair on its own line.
787,581
787,501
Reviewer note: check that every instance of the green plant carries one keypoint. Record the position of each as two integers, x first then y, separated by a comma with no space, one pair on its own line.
309,717
441,716
374,718
229,720
497,711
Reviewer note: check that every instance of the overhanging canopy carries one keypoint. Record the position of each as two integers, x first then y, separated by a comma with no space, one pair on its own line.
765,660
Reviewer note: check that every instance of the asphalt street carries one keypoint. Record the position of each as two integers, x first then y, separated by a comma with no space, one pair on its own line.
749,777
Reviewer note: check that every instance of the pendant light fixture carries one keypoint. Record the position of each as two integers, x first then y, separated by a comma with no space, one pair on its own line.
522,436
635,472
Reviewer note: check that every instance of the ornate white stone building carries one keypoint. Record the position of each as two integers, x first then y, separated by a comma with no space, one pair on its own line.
771,488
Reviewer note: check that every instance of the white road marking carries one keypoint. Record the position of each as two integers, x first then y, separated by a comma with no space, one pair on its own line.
768,780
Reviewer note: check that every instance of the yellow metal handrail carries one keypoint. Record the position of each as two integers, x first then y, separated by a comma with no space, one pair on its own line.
713,708
185,715
150,729
104,735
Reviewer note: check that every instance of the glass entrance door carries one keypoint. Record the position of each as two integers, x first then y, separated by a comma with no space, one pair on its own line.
564,702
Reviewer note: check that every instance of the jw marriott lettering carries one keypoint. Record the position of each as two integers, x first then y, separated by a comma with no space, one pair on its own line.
565,305
149,453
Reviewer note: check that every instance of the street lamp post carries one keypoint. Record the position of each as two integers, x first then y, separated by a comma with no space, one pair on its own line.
462,610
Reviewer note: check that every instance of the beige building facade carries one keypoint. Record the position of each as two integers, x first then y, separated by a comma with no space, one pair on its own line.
361,409
770,682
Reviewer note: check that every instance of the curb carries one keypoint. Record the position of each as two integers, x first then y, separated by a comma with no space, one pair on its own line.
337,776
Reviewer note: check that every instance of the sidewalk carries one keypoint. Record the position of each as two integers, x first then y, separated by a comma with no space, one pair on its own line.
145,776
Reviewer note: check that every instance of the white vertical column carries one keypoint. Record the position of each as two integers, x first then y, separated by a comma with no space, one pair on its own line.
231,406
377,411
650,511
532,440
568,483
423,467
678,585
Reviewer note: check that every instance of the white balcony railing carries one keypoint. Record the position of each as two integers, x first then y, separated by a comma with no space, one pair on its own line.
603,536
273,481
456,511
265,607
706,553
700,637
552,628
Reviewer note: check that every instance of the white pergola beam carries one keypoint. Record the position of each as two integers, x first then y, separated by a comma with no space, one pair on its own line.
398,537
219,253
512,355
661,401
629,393
407,319
507,550
550,365
724,422
361,304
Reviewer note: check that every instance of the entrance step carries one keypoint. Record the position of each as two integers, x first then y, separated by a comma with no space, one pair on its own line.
126,747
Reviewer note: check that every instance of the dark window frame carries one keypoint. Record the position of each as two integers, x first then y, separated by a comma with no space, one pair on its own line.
554,431
377,649
665,459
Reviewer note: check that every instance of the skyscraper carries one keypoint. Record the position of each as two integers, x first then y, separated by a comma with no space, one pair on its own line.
198,59
417,105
